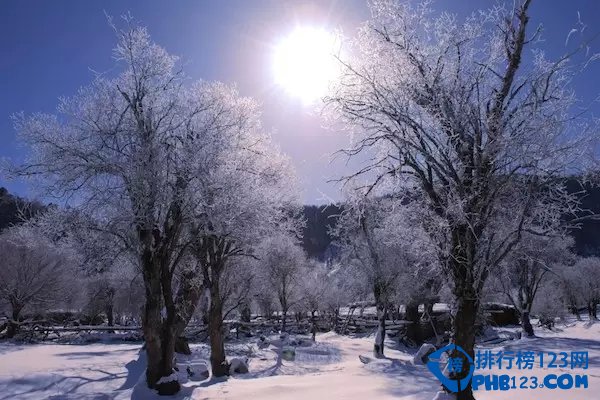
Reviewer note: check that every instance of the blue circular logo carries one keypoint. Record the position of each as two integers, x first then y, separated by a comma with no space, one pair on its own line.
455,366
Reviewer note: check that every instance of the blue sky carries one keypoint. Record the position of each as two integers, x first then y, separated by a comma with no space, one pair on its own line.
47,49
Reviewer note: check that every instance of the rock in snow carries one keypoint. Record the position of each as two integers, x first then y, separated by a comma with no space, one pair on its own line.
288,353
168,385
238,366
422,355
197,372
263,343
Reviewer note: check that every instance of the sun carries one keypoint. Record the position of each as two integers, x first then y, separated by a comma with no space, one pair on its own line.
304,63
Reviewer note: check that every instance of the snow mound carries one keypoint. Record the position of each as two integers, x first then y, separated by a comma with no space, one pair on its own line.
238,366
197,371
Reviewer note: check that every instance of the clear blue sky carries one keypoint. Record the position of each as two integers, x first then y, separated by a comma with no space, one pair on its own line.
48,47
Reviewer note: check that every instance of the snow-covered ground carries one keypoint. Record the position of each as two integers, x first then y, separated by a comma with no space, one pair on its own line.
329,370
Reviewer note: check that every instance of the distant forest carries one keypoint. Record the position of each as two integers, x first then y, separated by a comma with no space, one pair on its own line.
317,241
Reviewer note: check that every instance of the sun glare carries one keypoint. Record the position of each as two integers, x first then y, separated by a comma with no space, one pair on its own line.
304,63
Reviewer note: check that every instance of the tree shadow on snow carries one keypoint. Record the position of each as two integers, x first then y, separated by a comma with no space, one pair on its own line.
78,355
555,344
142,392
135,369
405,378
9,347
67,384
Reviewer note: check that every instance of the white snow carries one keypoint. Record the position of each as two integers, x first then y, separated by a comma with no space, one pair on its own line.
166,379
328,370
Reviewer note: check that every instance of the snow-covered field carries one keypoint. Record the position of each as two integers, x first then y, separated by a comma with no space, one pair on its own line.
329,370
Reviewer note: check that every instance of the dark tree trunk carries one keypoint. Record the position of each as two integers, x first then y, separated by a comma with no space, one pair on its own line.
413,331
212,252
526,324
429,308
110,314
336,316
159,334
466,296
575,311
313,325
109,305
13,328
284,319
464,334
215,329
592,310
13,324
245,314
159,338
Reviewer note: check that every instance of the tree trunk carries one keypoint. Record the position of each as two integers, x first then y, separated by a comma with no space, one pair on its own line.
413,331
526,324
110,316
284,319
428,308
466,296
168,349
190,296
575,311
215,329
160,343
464,334
313,325
378,348
13,324
245,314
592,310
336,316
159,334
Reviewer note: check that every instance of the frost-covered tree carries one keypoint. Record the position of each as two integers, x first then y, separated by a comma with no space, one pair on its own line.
282,261
584,279
115,293
383,246
243,191
466,113
549,304
527,269
33,272
106,264
568,283
315,285
150,161
341,289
